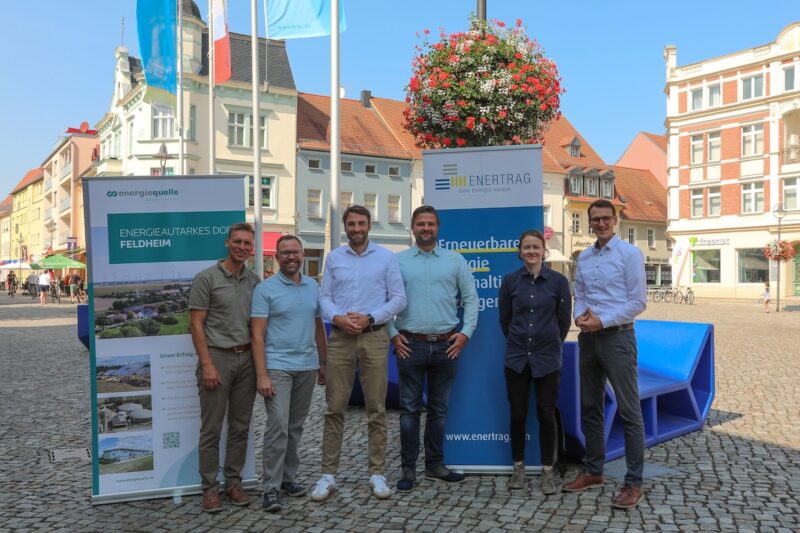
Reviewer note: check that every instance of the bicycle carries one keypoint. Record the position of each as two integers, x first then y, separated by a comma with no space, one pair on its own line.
680,297
12,289
55,294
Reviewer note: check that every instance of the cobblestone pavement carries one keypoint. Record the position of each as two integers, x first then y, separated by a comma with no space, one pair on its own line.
741,472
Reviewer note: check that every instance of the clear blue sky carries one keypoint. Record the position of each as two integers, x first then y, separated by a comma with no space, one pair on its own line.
57,57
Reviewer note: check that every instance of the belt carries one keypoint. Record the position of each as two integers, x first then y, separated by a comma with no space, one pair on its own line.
612,329
235,349
373,327
429,337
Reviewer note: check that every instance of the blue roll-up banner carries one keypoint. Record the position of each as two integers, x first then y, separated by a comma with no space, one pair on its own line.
486,197
156,21
291,19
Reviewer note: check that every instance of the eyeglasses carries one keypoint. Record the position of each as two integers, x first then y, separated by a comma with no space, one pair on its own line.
290,253
606,219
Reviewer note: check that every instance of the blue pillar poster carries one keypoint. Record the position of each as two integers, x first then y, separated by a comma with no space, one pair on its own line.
485,198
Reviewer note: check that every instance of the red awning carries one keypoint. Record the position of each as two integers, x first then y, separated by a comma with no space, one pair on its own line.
269,240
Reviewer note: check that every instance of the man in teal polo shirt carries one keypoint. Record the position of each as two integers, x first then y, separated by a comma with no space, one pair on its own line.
428,341
289,356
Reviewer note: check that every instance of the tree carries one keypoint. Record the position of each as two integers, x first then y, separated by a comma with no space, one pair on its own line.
149,326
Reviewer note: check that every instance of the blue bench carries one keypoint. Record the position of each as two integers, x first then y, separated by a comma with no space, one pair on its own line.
676,386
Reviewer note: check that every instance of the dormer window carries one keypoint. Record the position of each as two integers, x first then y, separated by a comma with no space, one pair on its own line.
606,189
575,182
591,187
575,148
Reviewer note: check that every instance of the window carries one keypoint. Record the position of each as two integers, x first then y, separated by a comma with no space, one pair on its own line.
651,238
394,208
575,150
130,138
345,199
394,171
753,87
314,164
236,126
788,79
589,225
163,122
266,191
714,94
314,203
705,266
752,140
546,215
753,266
697,149
714,147
371,203
575,185
714,202
632,236
696,99
346,166
697,203
605,185
591,187
576,222
669,244
262,131
192,133
370,168
752,198
790,193
169,171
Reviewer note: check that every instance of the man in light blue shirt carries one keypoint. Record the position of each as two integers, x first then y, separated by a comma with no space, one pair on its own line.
289,355
361,290
610,292
427,342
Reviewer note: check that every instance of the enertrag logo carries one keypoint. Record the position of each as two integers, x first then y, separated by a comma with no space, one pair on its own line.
454,180
144,193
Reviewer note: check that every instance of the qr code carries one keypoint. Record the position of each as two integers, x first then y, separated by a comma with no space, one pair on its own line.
171,440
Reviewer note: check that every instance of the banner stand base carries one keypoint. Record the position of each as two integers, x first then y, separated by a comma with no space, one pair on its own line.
491,469
176,493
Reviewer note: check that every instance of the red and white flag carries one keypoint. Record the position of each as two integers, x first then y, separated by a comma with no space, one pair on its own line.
222,42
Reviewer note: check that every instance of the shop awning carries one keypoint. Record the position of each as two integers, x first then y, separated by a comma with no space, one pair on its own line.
269,239
555,256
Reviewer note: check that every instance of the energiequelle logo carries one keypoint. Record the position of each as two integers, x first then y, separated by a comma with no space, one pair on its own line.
443,184
144,193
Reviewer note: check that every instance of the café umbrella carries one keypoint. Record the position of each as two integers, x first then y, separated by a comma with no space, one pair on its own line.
55,262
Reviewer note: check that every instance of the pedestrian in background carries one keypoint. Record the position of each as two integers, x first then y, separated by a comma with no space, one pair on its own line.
765,296
535,309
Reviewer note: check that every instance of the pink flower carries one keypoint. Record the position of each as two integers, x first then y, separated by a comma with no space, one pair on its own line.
461,142
470,123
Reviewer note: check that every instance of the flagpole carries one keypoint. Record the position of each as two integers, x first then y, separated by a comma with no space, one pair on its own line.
334,200
181,169
266,49
211,59
255,122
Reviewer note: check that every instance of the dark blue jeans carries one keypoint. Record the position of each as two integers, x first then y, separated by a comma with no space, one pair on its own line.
611,357
427,359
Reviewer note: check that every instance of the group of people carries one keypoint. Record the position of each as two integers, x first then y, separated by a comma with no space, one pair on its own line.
41,284
269,338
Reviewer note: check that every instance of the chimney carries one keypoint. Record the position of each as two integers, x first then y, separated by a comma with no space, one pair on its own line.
366,96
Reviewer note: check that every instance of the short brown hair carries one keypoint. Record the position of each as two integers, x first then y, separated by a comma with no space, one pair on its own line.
358,210
422,210
287,237
601,204
241,226
530,233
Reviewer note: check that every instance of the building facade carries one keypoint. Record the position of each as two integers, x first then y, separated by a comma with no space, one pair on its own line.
647,151
5,228
376,172
733,127
27,217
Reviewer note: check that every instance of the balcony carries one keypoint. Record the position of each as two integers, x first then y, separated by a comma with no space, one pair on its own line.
48,213
61,240
66,171
65,204
48,184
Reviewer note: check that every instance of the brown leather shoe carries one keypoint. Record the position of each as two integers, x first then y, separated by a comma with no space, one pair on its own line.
211,503
237,496
628,498
582,482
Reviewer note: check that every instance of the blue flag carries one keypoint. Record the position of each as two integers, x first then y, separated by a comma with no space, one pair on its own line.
156,22
289,19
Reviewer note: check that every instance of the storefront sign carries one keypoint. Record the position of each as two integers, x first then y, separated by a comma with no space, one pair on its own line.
706,241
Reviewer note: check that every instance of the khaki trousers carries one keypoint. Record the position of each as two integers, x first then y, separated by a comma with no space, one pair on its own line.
234,397
368,352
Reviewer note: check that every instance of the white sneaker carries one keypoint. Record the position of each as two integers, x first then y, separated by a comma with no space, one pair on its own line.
324,488
379,488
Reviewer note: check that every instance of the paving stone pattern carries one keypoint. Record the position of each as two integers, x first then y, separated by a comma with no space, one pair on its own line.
740,473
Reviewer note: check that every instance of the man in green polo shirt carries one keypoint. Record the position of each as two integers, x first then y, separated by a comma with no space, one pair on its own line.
289,355
219,315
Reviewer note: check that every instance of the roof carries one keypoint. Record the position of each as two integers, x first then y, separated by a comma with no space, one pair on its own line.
280,72
560,133
361,129
645,198
392,113
6,205
33,175
658,140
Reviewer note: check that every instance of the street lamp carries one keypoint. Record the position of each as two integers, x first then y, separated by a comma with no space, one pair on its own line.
778,212
51,227
163,155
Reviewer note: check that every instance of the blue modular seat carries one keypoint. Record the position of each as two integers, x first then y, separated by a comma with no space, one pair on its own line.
83,324
676,386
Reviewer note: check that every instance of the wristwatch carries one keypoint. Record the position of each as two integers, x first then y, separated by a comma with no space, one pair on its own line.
370,320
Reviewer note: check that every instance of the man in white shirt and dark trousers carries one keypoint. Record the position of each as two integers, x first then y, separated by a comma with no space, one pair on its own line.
610,292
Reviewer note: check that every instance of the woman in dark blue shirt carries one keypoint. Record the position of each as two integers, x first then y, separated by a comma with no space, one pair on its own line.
535,315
